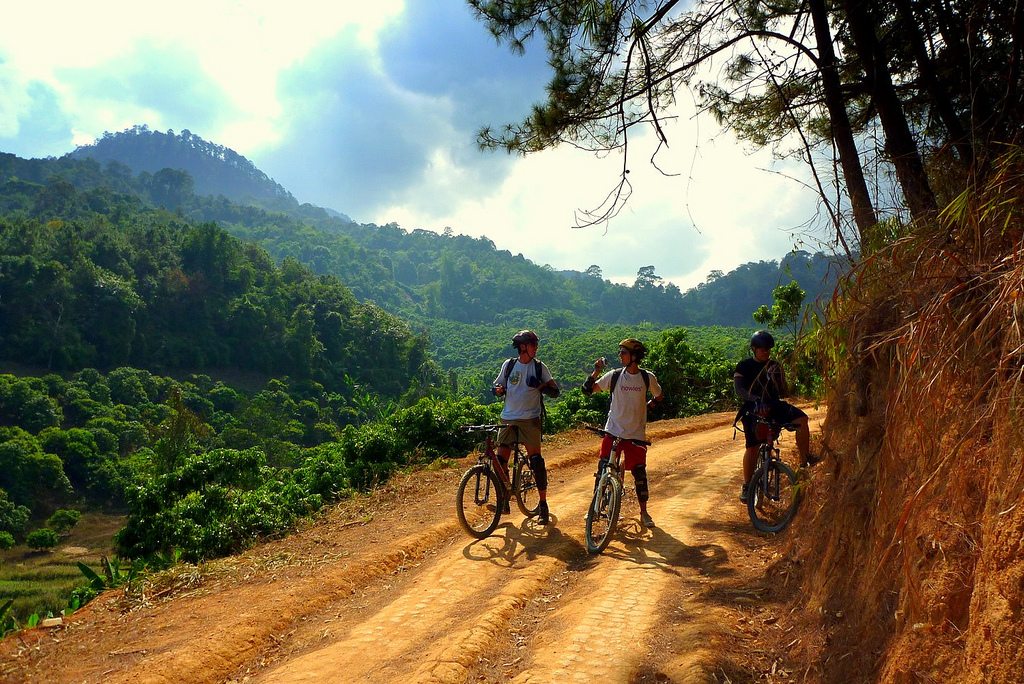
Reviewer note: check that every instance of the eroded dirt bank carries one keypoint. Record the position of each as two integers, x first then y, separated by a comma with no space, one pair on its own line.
388,588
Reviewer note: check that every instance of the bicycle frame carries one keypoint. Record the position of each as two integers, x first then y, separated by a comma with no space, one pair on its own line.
607,495
773,496
490,483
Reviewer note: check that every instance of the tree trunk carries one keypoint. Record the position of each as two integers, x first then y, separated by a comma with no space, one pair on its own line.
842,132
899,141
936,90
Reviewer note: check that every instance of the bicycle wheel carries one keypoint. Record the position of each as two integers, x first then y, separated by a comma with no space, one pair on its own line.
774,496
478,502
603,513
525,489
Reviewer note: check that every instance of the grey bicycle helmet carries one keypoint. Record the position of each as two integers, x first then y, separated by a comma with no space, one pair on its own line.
762,339
524,337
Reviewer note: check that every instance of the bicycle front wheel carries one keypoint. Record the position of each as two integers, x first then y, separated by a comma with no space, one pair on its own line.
478,502
773,496
525,489
603,513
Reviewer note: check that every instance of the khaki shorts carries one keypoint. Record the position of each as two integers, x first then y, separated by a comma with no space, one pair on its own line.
528,434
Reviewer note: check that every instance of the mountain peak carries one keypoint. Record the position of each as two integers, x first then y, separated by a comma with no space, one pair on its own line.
215,169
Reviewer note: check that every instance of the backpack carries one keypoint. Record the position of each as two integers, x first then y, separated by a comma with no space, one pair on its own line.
538,365
615,379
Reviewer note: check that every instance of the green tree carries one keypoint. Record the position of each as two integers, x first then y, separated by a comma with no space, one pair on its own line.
13,517
63,520
180,434
785,310
42,539
77,450
27,474
915,68
647,279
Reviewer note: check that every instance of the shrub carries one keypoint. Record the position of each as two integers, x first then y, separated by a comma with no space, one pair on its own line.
6,540
63,519
13,518
43,538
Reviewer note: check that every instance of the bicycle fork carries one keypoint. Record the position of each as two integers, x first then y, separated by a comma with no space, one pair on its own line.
771,482
602,487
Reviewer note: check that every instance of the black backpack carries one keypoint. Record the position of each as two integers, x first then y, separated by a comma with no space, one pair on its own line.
538,367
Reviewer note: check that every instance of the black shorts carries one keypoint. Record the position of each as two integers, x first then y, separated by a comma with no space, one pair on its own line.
782,411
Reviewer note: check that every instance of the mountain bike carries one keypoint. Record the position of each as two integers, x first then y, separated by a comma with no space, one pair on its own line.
484,491
773,494
603,513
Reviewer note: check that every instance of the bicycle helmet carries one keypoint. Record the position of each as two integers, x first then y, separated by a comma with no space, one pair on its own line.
524,337
762,339
634,347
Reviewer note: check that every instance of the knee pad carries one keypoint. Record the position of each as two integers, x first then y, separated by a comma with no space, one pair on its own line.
540,473
640,480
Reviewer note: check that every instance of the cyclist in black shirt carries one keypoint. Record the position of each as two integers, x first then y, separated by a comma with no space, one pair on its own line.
761,382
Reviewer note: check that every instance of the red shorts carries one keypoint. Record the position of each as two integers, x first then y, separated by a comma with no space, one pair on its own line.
632,454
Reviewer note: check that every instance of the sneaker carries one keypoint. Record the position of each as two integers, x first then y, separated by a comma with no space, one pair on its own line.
542,517
744,493
811,460
646,520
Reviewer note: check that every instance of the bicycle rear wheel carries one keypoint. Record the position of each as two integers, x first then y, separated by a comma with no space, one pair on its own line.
774,496
525,489
603,513
478,502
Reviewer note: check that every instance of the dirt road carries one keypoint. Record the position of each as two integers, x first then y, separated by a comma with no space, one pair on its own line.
389,589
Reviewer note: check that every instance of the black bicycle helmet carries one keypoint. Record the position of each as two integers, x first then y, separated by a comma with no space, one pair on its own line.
634,347
762,339
524,337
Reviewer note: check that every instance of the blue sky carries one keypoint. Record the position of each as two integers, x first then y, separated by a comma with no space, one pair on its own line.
372,109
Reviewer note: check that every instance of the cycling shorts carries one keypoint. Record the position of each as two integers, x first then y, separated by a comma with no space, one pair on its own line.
632,454
528,434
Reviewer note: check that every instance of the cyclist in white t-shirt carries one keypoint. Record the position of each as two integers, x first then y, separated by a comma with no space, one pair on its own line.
627,416
523,381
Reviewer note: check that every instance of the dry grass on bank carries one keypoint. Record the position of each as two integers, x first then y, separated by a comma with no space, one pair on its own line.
914,545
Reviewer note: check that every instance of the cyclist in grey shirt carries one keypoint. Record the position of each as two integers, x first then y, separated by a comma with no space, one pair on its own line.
524,381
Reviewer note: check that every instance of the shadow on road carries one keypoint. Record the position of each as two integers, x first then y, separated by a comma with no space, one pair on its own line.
525,541
659,549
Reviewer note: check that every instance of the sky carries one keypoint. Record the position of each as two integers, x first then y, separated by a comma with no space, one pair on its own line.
372,109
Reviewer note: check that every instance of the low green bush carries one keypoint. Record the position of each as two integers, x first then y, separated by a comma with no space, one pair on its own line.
41,539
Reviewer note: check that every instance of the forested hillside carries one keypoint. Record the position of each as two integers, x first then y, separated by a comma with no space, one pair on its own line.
418,273
213,169
96,279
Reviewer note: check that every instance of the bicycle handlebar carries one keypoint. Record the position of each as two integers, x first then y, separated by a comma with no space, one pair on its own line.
480,428
773,424
603,432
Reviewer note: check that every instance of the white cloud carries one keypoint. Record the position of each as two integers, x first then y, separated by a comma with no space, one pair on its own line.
370,109
242,47
721,208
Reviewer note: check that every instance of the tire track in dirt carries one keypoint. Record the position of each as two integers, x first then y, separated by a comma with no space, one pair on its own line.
214,654
598,636
454,610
